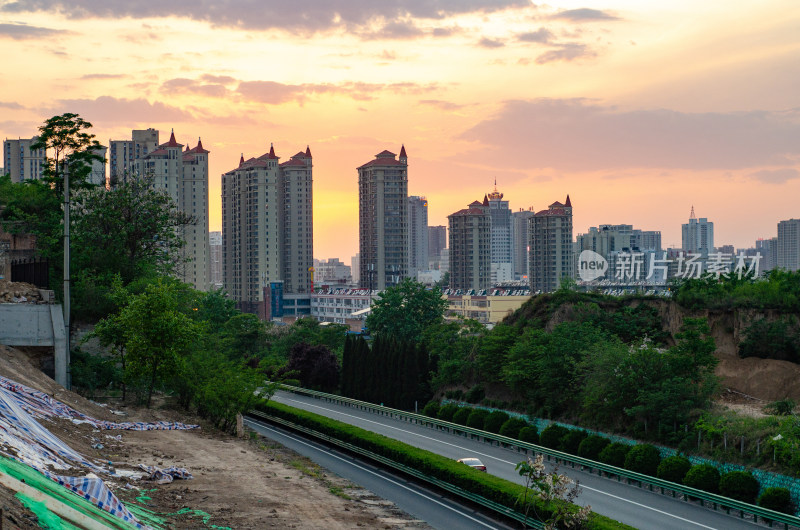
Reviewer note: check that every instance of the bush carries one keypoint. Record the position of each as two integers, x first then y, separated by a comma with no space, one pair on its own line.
572,440
475,394
703,477
462,415
614,454
529,434
591,446
446,413
783,407
552,435
431,410
778,499
476,418
674,468
643,458
739,485
494,421
512,426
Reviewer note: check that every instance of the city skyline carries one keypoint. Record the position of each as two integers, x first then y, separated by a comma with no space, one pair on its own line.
637,111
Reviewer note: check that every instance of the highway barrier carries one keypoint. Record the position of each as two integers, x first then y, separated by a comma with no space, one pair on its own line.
711,500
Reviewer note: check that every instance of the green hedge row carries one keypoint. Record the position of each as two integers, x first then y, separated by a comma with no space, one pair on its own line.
641,458
486,485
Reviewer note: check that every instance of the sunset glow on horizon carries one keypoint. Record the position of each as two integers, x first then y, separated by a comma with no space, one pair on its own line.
637,110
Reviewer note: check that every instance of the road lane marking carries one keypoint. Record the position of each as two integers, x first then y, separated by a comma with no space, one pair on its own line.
495,458
298,440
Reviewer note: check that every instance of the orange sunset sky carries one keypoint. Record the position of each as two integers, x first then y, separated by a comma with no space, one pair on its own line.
637,109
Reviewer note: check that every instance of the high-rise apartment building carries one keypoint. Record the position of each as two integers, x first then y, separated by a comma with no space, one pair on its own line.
417,235
697,236
383,220
267,227
122,154
183,175
471,247
519,242
502,268
22,162
788,245
768,249
550,241
437,240
605,239
215,258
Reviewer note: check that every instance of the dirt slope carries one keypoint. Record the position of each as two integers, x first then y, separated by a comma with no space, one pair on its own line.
238,483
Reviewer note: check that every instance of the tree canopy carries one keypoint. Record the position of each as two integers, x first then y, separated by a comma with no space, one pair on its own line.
405,310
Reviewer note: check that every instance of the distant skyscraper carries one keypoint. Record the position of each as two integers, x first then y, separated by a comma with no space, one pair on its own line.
215,253
698,235
550,241
183,175
437,240
21,162
417,235
123,154
768,248
354,267
470,247
519,242
605,239
267,227
788,255
383,220
501,260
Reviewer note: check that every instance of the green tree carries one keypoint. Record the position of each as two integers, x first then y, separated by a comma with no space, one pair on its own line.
157,334
70,149
406,310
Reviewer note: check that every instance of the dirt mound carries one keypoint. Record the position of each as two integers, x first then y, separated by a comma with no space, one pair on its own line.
238,483
16,292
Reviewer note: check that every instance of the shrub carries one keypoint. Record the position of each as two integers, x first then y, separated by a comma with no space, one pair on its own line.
783,407
431,410
475,394
494,421
446,413
591,446
462,415
703,477
552,435
614,454
778,499
739,485
476,418
512,426
572,440
529,434
674,468
643,458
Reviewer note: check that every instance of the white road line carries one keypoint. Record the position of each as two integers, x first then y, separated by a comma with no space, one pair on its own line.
499,460
376,474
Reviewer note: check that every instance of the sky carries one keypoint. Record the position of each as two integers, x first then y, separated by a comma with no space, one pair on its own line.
639,110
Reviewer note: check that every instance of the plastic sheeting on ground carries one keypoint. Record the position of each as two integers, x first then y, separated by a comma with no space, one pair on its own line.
165,476
24,439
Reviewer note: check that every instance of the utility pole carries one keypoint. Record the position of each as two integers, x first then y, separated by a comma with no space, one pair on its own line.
66,274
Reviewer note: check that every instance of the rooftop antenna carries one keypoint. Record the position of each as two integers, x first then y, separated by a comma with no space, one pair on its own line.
691,215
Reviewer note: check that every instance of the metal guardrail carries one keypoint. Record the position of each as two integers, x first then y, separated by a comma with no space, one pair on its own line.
706,498
477,499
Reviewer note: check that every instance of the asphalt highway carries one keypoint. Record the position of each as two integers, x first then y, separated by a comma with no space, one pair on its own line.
626,503
428,506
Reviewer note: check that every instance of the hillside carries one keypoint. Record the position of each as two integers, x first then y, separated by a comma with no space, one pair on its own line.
763,379
237,483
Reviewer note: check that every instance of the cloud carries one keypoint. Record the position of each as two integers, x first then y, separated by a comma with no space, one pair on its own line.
541,35
273,93
111,110
10,105
102,76
445,32
24,31
218,79
490,43
566,52
776,176
308,16
579,135
584,15
182,85
442,105
404,30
